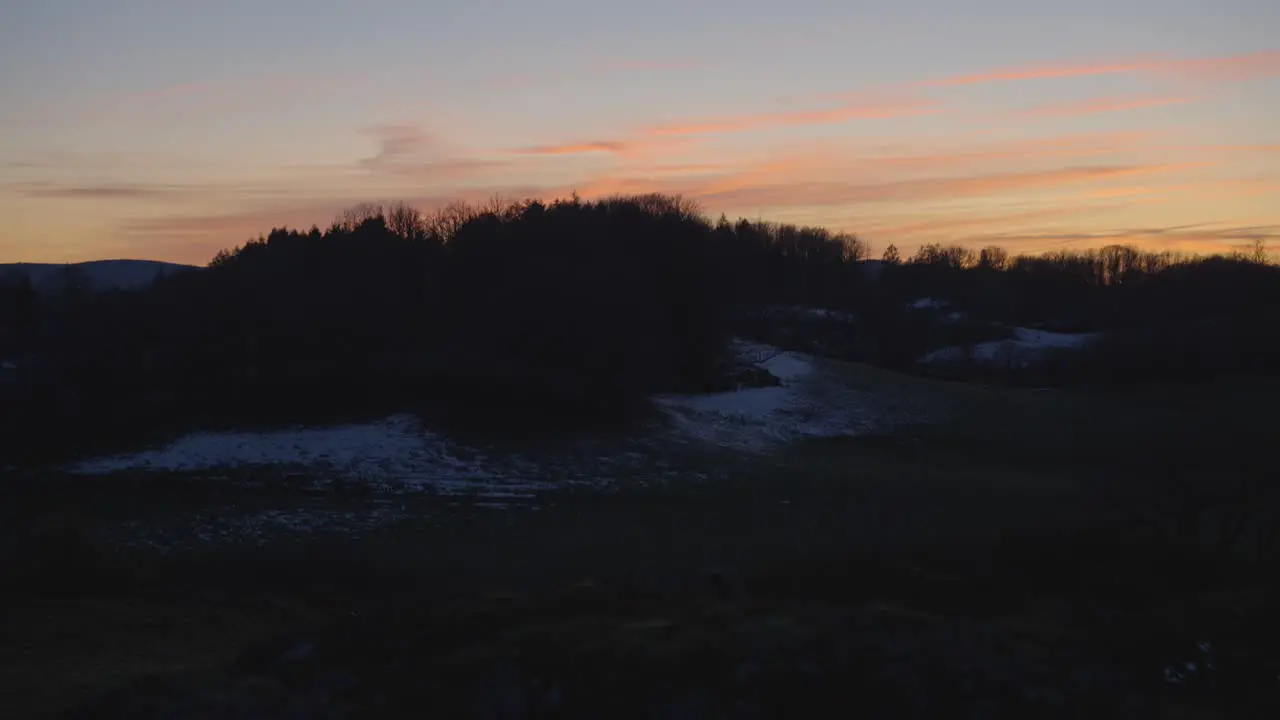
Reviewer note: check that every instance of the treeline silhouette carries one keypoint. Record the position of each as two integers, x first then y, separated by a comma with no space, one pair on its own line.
567,312
531,314
1161,316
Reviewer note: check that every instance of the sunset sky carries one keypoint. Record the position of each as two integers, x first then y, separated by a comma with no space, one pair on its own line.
167,129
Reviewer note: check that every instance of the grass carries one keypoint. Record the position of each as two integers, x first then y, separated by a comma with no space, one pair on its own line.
995,518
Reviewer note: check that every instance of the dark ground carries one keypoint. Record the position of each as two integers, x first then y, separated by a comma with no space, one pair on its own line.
1035,555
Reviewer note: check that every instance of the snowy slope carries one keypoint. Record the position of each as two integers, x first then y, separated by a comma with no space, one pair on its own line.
399,452
1024,348
811,402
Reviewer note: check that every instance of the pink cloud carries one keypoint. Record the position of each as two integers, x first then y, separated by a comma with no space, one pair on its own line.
602,146
1224,68
1043,72
1232,68
886,109
635,148
925,189
1101,105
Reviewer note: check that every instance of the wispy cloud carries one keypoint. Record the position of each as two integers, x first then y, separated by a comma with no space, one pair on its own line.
924,189
407,150
1232,68
1192,238
1055,146
1224,68
1043,72
1101,105
601,146
397,145
632,148
672,135
100,191
883,109
951,224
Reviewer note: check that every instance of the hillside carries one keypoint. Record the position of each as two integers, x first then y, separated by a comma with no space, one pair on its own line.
98,275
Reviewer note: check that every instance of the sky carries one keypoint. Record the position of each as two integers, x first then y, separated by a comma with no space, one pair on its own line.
169,129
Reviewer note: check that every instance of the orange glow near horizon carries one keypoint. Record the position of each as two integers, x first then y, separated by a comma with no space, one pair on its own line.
1153,149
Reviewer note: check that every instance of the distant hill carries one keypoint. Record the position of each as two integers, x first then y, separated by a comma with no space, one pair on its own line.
97,275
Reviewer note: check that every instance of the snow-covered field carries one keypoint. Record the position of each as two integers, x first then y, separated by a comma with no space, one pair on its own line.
1023,349
395,450
398,452
414,472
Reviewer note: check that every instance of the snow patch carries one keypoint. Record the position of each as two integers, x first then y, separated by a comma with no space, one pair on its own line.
394,453
1024,348
788,367
809,403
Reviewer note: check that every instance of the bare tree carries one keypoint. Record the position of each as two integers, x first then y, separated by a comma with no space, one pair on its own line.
1258,251
445,222
406,221
354,217
855,249
892,256
993,257
953,256
1118,262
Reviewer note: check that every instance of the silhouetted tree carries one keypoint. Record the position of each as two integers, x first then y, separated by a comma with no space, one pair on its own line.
993,258
584,309
1258,251
891,255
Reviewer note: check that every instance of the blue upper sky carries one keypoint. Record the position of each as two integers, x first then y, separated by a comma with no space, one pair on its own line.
169,129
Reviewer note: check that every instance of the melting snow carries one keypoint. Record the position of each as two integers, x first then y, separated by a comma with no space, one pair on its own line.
788,366
809,403
399,453
1022,349
397,440
394,453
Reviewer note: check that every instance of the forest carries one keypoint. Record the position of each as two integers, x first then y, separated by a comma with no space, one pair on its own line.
515,315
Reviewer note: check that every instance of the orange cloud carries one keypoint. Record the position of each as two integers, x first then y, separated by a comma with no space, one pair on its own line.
1226,68
1044,72
602,146
620,148
863,111
1195,238
1074,145
1232,68
684,169
834,193
1101,105
952,223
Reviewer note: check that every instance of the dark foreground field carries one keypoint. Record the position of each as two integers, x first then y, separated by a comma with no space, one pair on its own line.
1035,554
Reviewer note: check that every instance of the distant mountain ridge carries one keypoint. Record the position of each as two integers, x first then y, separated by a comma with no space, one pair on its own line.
97,275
